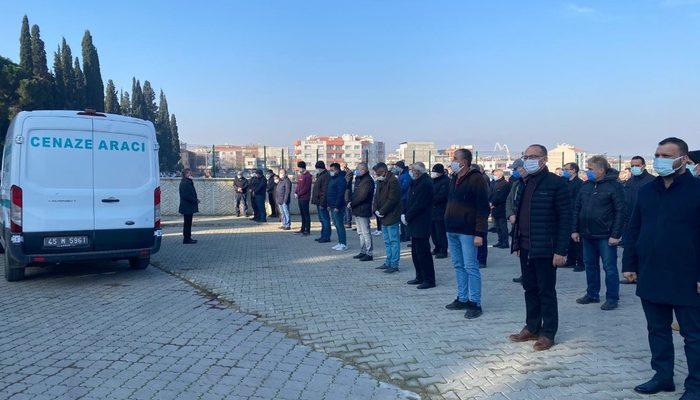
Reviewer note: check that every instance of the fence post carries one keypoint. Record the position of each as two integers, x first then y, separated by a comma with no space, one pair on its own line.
213,162
265,158
619,163
316,154
282,160
414,157
562,159
476,157
430,157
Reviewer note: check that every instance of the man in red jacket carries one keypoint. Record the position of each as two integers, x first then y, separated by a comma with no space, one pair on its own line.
302,193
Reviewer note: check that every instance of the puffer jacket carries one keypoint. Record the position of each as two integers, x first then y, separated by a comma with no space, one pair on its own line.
600,211
467,209
388,200
362,196
550,215
335,195
320,189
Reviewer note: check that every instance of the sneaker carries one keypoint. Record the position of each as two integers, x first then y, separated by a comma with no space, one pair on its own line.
587,300
377,233
336,246
473,311
457,305
609,305
341,247
383,266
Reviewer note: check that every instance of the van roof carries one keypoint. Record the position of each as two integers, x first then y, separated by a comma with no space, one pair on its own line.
74,114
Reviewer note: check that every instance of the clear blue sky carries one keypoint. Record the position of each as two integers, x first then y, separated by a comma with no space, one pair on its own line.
611,76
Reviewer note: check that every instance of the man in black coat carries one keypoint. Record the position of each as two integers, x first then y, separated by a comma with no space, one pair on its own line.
271,185
361,197
500,188
600,215
639,178
189,204
417,218
283,195
664,258
259,188
441,188
541,238
240,195
252,183
573,182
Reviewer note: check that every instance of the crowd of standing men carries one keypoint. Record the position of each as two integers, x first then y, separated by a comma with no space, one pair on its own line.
556,219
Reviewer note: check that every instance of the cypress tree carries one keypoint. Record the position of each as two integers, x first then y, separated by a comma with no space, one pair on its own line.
163,133
149,99
175,163
71,103
59,81
94,88
125,104
25,47
137,104
40,68
111,100
80,88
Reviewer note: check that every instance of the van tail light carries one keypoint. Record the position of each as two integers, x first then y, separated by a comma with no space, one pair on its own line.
156,207
16,209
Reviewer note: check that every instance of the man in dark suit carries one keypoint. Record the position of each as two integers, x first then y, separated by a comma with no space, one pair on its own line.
417,218
663,256
259,188
271,199
189,204
500,188
240,184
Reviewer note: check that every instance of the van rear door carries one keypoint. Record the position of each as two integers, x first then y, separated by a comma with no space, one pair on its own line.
125,180
56,178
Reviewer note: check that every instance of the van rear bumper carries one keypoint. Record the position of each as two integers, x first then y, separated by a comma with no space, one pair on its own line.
16,252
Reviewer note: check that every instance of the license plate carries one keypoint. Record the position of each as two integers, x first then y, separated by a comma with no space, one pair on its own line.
66,241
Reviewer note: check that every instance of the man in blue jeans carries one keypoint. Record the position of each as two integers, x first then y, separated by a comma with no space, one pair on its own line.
336,203
319,199
387,207
466,223
599,219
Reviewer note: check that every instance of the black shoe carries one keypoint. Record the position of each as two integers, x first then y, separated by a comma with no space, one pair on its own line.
482,266
473,311
391,270
441,255
324,240
383,266
189,241
359,256
518,279
457,305
587,300
425,285
690,396
317,239
306,234
414,282
654,386
299,232
286,228
609,305
366,257
253,219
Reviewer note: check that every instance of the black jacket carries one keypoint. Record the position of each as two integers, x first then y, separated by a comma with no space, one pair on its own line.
241,183
271,185
574,186
550,215
387,200
349,177
188,197
498,197
335,195
419,207
663,242
320,189
259,186
599,210
632,186
362,196
441,189
467,210
283,191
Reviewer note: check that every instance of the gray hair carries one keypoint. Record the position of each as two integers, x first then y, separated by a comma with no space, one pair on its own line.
363,165
600,162
420,167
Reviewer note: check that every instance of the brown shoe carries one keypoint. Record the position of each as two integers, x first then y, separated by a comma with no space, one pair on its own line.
543,343
523,336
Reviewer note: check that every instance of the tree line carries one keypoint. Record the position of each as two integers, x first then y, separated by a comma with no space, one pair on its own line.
30,85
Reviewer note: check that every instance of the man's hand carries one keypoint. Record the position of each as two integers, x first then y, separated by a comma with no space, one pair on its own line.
478,241
558,260
613,242
512,219
403,219
336,210
576,237
296,196
632,277
349,205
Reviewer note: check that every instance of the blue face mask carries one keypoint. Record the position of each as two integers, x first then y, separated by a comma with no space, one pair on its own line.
591,175
516,174
664,166
531,166
636,171
692,169
566,174
357,172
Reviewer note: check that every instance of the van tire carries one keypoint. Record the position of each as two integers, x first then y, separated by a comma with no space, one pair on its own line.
139,263
12,274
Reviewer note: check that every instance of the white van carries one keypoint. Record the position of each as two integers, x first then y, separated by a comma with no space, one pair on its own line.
79,186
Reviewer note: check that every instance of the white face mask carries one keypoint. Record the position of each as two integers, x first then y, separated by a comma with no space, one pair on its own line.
454,165
434,175
333,173
532,166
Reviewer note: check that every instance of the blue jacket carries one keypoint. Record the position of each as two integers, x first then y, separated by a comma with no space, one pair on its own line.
405,184
335,196
663,242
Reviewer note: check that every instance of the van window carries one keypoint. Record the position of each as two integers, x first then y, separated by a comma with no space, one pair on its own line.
122,161
59,159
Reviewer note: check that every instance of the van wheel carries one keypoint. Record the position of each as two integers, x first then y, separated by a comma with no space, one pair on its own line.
12,274
139,263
